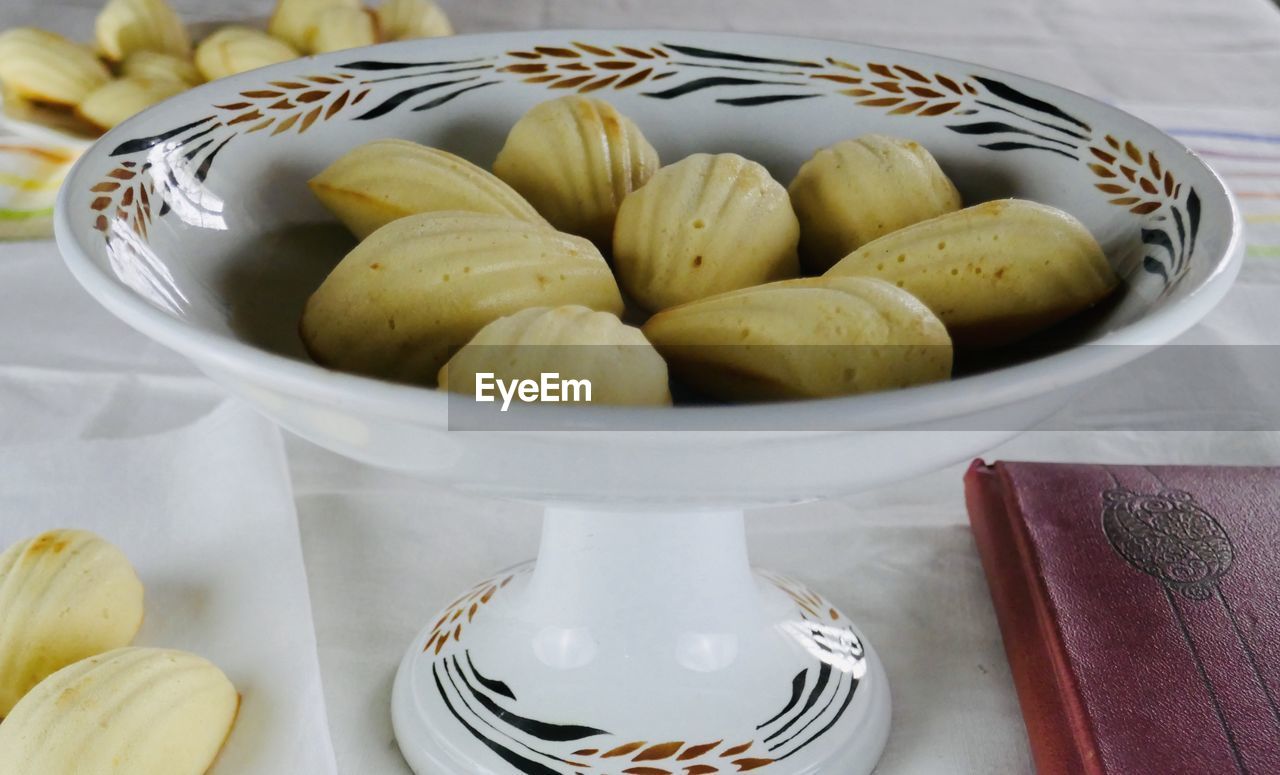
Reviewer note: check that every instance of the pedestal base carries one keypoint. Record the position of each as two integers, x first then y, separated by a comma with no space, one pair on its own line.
641,645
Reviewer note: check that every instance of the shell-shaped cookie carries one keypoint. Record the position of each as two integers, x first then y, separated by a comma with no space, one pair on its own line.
995,272
575,159
859,190
46,67
378,182
294,21
140,711
234,49
806,338
704,225
64,595
339,28
399,304
155,66
122,98
406,19
572,341
126,26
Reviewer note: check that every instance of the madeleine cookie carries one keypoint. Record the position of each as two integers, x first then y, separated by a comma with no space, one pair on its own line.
808,338
704,225
572,341
46,67
575,159
139,711
124,27
64,595
378,182
995,272
406,297
858,190
233,50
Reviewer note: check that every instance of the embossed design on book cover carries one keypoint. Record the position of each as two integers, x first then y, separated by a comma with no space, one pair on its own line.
1171,537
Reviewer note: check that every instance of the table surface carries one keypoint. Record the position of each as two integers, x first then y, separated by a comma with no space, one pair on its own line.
384,552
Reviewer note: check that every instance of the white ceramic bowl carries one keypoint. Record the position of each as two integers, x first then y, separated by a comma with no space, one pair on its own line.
185,222
193,223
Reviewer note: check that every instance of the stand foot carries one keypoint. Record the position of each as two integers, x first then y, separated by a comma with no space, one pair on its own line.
643,645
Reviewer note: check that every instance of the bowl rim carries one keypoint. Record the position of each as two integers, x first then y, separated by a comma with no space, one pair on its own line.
900,408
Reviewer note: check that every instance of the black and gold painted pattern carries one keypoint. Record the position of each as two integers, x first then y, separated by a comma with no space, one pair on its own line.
157,173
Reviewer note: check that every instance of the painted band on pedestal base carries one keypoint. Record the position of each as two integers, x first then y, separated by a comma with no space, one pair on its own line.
817,699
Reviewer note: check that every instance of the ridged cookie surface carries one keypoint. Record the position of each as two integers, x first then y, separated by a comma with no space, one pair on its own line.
858,190
575,159
132,711
378,182
64,595
572,341
807,338
995,272
704,225
418,288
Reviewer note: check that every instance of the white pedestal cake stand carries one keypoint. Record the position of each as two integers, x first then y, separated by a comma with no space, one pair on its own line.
642,645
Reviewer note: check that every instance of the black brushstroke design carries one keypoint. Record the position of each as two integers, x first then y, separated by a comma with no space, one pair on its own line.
797,688
768,99
401,97
698,84
999,127
1155,267
815,632
169,184
844,706
198,135
377,66
450,71
1193,215
554,733
497,687
1182,235
737,68
1007,92
202,171
830,701
824,677
164,187
527,766
462,698
1016,146
704,53
143,143
1159,238
1045,124
194,152
438,101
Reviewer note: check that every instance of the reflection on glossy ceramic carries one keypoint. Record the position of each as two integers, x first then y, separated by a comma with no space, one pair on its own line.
808,705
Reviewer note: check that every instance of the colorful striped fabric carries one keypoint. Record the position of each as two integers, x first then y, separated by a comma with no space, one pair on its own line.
1250,163
30,173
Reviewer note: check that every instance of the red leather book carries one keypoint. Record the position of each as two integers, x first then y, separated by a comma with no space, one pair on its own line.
1140,611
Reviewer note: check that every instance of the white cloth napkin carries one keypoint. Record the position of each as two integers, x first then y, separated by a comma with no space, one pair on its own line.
206,515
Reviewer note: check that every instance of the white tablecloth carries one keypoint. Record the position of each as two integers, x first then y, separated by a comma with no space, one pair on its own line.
383,552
